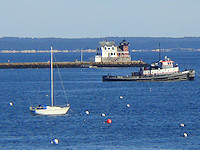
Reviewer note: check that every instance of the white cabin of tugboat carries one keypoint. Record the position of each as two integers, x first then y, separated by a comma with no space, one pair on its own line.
160,68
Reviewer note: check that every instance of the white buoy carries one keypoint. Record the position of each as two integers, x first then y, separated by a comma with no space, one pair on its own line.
87,112
121,97
11,104
128,105
55,141
182,125
103,114
47,95
185,135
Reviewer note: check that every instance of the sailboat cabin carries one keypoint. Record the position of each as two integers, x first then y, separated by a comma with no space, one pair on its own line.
109,52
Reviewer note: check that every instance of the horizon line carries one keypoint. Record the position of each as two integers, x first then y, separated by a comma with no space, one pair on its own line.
99,37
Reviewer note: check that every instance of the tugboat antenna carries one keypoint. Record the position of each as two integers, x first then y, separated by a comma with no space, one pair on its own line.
159,52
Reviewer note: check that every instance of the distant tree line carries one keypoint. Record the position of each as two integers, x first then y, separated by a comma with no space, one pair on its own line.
137,43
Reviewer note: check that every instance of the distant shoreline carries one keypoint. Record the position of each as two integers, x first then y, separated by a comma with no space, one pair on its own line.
94,51
48,51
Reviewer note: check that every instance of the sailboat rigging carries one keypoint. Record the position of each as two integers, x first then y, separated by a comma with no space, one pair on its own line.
50,110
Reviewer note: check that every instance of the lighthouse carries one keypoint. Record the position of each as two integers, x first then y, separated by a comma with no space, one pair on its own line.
110,52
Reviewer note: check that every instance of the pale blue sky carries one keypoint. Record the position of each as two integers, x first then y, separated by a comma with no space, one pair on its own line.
99,18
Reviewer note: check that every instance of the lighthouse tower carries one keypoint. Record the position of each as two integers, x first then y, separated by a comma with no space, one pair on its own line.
124,47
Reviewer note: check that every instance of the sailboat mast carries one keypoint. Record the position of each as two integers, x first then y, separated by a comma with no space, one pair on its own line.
52,77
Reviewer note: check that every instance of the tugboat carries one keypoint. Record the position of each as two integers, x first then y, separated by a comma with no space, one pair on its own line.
163,70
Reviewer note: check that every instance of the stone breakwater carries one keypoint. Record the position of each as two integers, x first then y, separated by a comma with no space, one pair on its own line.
71,64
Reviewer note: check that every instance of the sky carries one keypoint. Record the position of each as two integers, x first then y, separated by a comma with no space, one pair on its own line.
99,18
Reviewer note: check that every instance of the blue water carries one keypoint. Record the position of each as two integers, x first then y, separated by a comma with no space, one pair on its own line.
152,121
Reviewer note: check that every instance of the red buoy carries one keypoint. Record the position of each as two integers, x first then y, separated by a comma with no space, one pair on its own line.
109,121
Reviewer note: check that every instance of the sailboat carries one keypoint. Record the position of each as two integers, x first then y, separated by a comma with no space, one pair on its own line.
50,110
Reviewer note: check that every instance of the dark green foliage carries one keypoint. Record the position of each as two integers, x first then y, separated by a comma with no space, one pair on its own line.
147,43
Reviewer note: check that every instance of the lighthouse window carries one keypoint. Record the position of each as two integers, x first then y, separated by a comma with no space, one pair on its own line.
113,48
105,48
108,47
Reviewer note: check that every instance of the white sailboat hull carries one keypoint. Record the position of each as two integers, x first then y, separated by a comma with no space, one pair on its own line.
49,110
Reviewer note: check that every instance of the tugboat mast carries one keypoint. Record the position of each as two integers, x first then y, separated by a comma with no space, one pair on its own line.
159,52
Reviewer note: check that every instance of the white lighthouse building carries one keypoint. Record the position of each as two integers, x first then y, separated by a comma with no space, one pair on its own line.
109,52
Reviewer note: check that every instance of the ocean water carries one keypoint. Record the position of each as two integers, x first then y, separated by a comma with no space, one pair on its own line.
151,122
